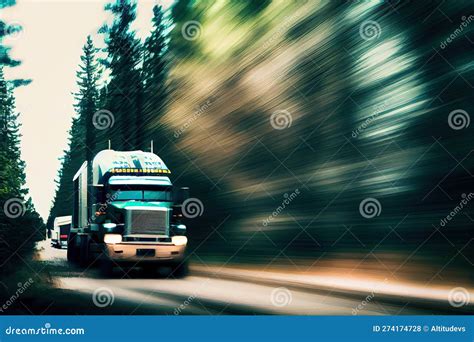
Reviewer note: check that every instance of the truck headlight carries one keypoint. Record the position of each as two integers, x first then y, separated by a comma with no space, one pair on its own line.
112,238
109,225
179,240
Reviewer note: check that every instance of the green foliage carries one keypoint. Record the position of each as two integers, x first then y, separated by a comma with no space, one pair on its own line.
124,56
82,135
20,224
154,82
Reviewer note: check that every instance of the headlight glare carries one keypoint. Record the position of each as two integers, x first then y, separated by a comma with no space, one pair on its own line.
112,238
179,240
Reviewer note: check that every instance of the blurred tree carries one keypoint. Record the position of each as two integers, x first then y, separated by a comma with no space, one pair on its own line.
154,78
124,54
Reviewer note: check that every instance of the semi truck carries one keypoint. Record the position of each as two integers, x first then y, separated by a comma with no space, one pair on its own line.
60,233
127,213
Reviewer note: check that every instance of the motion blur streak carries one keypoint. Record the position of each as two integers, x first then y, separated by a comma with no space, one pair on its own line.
366,116
342,101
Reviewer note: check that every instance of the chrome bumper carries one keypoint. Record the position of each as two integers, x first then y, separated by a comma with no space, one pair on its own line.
127,251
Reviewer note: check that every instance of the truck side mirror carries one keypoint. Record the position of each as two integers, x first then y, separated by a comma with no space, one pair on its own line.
180,195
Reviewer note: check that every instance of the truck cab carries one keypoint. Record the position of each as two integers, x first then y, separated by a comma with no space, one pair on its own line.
128,215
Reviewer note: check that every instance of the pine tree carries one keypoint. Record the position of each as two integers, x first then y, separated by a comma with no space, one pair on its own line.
20,225
88,95
125,86
71,162
82,135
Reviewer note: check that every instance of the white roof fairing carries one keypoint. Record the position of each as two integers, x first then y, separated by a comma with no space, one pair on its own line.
107,160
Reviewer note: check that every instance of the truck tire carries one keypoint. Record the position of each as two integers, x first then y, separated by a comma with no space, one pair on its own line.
72,252
180,270
84,255
150,271
106,267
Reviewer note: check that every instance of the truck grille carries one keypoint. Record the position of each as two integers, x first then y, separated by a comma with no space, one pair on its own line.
148,221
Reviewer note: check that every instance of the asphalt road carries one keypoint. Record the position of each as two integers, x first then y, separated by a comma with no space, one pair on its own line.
209,294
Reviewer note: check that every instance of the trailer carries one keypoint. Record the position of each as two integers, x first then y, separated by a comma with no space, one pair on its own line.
127,213
60,233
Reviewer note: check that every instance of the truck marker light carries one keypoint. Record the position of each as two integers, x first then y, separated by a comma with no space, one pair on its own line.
179,240
112,238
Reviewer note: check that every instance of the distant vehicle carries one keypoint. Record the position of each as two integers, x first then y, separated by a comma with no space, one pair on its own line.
129,215
60,233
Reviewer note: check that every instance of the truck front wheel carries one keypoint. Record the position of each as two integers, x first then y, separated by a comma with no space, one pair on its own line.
72,250
84,252
106,267
180,270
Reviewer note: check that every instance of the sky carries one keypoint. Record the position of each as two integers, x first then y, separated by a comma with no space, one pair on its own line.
50,47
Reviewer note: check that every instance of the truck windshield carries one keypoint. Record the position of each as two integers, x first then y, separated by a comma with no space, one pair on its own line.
139,193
